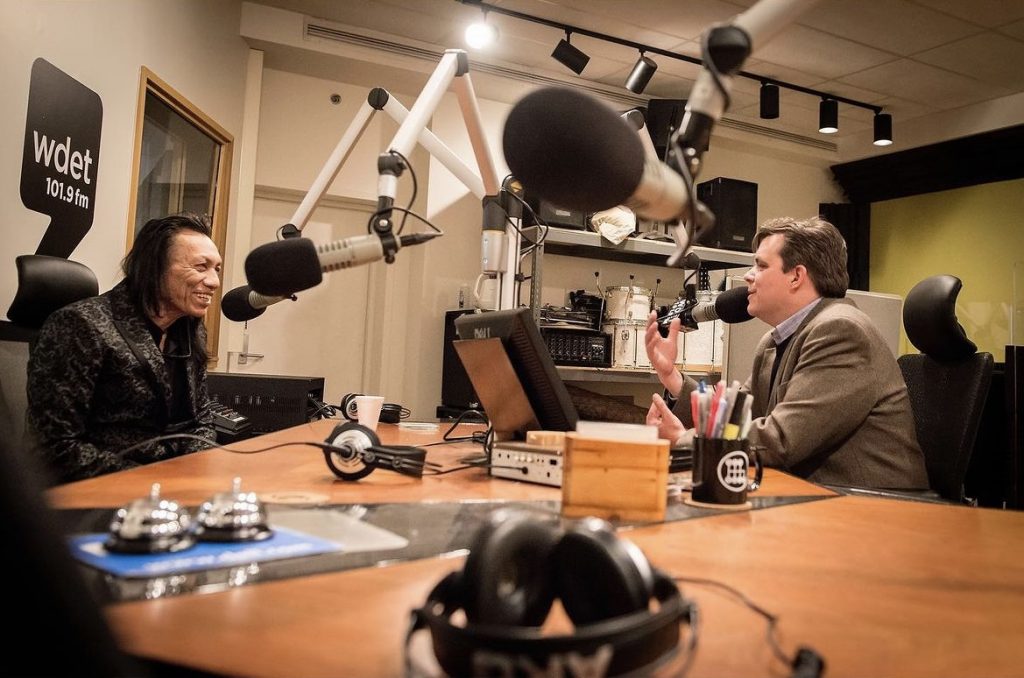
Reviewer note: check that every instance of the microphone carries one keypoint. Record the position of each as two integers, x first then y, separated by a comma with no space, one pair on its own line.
729,307
288,266
577,153
242,303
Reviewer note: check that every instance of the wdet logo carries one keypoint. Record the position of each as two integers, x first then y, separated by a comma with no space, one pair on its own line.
61,156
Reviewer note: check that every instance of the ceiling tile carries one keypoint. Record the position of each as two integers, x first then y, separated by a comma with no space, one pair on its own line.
925,84
990,57
988,13
811,51
908,28
1014,30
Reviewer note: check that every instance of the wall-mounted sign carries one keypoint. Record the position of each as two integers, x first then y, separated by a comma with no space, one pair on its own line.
62,156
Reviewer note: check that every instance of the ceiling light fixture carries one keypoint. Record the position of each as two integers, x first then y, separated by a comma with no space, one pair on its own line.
883,129
769,101
481,34
576,60
570,56
641,74
828,116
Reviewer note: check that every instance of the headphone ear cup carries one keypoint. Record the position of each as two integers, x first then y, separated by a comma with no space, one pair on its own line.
506,578
599,576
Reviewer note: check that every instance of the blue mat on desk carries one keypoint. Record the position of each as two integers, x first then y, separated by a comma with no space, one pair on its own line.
284,543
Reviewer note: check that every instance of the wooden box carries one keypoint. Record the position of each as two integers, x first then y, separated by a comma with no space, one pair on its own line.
613,479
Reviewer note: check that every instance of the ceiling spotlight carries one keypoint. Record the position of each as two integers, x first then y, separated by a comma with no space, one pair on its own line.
883,129
481,34
643,71
828,116
769,101
571,57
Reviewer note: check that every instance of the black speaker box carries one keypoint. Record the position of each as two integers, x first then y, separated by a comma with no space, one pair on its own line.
663,118
734,204
553,215
456,390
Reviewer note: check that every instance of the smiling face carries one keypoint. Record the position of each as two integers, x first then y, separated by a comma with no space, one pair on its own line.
770,290
192,276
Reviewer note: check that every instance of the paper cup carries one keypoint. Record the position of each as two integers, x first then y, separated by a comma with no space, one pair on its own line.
368,410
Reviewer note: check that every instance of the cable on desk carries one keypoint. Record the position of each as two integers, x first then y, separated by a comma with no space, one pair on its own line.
806,663
323,410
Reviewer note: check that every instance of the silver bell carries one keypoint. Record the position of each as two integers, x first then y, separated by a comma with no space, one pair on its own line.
150,525
233,516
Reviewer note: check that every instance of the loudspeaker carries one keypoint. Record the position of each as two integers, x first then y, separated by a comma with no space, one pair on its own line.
456,389
734,204
663,118
517,567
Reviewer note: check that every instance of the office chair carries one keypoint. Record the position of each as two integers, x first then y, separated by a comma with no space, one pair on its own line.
46,284
948,383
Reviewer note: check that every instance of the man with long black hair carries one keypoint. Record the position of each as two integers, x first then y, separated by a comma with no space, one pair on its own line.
114,370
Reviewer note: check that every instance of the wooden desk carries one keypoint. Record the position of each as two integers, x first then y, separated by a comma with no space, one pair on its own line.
879,587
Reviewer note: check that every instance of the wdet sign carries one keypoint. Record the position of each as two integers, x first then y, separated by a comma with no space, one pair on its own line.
62,156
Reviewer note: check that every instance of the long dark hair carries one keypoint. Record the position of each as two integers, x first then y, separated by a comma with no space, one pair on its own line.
147,261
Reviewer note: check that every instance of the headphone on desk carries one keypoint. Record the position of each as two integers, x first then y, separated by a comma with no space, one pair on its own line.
390,413
353,452
517,567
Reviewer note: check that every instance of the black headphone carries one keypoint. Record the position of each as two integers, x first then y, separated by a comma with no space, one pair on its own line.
390,413
517,566
353,451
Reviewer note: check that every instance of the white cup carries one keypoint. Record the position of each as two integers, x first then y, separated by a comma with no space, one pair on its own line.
368,410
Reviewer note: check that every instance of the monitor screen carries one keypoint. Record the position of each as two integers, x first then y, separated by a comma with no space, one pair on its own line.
532,370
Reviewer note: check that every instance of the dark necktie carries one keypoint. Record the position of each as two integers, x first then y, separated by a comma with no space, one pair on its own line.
780,348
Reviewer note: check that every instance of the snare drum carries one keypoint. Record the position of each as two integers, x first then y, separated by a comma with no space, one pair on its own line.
628,350
627,303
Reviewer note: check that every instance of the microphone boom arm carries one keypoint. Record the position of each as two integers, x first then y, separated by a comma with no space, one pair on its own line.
726,48
451,72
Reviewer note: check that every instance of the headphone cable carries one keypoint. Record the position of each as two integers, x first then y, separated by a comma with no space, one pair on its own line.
805,662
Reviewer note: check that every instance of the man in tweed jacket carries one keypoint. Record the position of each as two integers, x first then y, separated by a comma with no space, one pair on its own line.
830,403
110,372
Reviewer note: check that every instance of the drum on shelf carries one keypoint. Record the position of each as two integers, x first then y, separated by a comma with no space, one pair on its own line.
627,303
628,350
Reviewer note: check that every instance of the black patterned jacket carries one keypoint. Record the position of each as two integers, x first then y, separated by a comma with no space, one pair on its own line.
98,384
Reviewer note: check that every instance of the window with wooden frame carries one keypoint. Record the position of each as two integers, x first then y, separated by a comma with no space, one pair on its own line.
181,163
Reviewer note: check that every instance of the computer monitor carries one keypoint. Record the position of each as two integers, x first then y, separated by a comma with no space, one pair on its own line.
512,372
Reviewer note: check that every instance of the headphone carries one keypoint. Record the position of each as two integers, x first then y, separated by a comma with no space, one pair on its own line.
390,413
353,451
517,566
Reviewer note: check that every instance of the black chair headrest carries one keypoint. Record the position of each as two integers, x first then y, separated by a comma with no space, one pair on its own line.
929,318
46,284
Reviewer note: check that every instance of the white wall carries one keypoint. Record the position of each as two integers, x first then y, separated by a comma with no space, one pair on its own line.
193,45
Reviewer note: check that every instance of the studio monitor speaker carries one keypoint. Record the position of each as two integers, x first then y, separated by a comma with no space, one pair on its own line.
734,204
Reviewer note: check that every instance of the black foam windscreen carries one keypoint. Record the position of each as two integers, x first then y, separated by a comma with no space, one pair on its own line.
572,150
284,267
731,305
235,305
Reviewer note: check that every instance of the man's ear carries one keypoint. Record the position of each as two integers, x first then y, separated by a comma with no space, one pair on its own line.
798,276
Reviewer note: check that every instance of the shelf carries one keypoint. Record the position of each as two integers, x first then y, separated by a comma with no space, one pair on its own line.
622,375
573,243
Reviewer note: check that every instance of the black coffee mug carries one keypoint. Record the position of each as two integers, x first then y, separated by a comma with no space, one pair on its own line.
720,470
